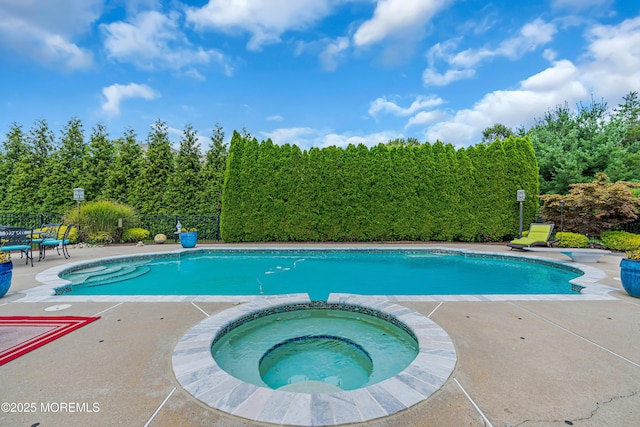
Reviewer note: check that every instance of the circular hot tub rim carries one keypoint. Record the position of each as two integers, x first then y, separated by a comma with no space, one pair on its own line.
313,305
199,375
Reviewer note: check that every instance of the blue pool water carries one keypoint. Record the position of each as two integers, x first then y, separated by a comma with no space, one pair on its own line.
319,273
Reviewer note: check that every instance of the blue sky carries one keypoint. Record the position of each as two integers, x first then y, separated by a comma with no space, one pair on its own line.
312,72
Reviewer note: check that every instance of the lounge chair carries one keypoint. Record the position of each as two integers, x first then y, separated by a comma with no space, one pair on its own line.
538,235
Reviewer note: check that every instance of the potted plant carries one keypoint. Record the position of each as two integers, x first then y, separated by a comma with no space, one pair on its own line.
630,273
6,267
188,237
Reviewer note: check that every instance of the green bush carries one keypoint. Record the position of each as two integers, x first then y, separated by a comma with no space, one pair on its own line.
620,240
135,235
101,216
571,240
100,238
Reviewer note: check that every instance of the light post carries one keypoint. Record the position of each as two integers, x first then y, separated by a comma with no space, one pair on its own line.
78,196
520,198
561,215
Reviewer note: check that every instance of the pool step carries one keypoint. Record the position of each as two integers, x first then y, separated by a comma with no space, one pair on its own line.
124,274
101,275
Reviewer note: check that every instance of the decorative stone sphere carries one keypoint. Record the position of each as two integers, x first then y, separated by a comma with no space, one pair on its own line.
160,238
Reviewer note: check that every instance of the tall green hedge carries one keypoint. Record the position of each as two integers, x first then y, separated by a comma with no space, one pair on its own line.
382,193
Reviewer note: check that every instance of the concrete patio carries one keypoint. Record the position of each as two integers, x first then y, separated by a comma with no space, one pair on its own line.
520,363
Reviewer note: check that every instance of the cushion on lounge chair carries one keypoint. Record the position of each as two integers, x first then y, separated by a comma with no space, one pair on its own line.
539,234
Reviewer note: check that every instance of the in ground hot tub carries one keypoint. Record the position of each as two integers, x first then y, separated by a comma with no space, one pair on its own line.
315,347
287,360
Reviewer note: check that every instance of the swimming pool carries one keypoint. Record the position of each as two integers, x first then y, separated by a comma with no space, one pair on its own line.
319,273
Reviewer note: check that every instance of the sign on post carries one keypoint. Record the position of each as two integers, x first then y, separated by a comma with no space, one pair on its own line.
78,194
520,198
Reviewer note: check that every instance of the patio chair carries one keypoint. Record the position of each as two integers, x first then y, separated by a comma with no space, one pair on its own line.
17,239
51,238
538,235
45,231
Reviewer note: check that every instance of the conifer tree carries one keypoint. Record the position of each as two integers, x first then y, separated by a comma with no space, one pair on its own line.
212,174
467,227
185,182
127,166
14,147
98,163
158,167
23,193
64,169
231,215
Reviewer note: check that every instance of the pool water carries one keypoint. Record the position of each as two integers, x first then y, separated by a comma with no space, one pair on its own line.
315,349
320,272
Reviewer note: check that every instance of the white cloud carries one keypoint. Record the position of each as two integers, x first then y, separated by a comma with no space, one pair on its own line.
306,138
153,40
116,93
382,105
394,17
265,20
532,35
424,117
612,61
431,77
331,54
47,36
276,118
553,86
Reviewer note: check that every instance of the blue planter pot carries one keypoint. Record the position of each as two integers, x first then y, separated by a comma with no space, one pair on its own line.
5,277
189,239
630,276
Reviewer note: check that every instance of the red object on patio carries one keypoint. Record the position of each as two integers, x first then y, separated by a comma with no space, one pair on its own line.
21,334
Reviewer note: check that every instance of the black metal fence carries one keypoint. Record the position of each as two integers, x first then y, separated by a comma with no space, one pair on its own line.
632,227
29,220
208,226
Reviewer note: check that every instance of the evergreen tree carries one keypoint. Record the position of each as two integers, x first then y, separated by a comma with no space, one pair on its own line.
98,163
425,191
185,182
64,169
158,167
445,192
23,193
13,149
127,166
467,227
231,215
212,174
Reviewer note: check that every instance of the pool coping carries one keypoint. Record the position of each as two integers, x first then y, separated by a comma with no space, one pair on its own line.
589,281
198,373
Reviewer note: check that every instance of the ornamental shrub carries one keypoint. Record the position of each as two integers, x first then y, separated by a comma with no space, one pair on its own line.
100,216
100,238
567,239
135,235
620,240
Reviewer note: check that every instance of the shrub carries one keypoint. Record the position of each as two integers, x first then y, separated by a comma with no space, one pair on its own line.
572,240
594,207
100,238
73,234
135,235
101,216
620,240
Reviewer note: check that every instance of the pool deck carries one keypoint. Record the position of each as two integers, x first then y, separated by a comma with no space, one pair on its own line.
559,361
